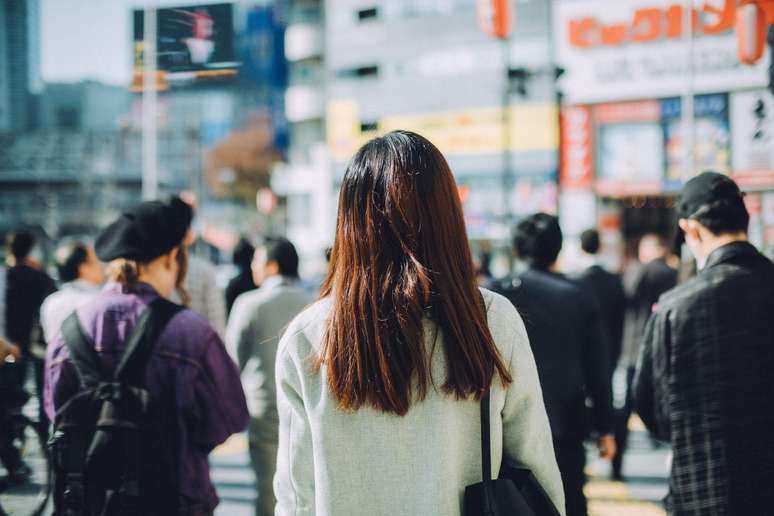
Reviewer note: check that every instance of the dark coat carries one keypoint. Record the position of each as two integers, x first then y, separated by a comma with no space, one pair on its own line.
608,290
566,336
653,279
26,289
705,382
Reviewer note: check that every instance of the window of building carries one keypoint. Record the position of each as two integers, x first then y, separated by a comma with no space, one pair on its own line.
369,14
359,72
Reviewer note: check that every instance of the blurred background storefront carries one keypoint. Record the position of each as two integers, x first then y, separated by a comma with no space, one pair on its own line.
628,69
260,103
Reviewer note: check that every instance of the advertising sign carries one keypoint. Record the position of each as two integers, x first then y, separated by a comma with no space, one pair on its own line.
193,42
712,138
633,49
752,129
577,160
630,149
474,131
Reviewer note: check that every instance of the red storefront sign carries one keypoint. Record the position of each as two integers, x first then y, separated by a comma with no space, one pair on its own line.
576,170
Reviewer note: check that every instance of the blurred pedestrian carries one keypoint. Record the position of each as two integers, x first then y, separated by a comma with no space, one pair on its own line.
204,296
607,289
379,383
82,275
193,383
651,279
567,338
27,285
243,281
704,381
254,328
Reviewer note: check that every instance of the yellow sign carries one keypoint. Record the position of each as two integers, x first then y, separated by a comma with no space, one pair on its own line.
533,127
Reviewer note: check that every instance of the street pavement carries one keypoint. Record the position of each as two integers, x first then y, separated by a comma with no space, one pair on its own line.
641,495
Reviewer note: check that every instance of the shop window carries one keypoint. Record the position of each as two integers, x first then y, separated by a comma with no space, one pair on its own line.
370,14
360,72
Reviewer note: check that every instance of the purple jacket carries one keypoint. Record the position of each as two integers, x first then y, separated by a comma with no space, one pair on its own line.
190,374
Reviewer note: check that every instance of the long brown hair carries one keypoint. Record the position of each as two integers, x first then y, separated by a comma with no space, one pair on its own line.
400,255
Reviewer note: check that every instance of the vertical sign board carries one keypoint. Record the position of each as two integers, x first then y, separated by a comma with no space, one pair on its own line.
752,129
712,146
265,67
576,168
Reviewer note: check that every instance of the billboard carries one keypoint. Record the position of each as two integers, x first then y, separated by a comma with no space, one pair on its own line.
192,43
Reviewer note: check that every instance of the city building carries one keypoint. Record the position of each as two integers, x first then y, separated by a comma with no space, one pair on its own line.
628,70
427,66
305,180
20,80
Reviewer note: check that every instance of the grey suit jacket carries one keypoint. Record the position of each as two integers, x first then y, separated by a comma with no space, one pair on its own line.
256,323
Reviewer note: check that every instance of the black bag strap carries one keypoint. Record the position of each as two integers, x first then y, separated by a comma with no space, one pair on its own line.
83,356
486,442
139,348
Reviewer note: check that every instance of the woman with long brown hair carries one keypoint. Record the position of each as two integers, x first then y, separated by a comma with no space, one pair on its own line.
379,383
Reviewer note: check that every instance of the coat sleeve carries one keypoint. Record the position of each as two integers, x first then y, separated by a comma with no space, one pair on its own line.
294,480
650,386
527,436
239,334
215,303
596,360
219,402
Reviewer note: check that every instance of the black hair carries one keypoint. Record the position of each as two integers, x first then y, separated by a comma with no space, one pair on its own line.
723,216
20,244
283,252
590,241
69,258
243,254
538,240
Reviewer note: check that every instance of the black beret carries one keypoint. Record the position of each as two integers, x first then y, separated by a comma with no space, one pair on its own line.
145,232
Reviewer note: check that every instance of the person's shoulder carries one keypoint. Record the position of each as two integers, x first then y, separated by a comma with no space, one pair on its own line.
305,331
505,323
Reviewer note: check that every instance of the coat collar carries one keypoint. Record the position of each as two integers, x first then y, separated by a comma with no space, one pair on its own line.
729,252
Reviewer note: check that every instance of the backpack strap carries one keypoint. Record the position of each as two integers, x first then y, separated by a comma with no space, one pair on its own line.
138,351
83,356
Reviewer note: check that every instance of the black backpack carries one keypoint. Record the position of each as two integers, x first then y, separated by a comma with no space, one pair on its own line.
107,454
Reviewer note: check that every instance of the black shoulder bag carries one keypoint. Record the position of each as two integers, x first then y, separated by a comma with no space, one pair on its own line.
515,493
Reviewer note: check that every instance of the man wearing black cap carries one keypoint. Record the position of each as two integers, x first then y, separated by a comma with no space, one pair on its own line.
705,378
190,375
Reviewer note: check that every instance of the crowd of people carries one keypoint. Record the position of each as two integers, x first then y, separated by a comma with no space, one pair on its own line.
362,395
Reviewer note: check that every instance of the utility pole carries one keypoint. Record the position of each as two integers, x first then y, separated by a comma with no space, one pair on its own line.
150,170
687,109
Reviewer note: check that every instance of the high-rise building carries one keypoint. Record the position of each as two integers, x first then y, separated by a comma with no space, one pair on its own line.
19,63
306,181
489,105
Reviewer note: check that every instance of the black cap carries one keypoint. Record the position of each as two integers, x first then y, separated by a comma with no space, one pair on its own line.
145,232
705,189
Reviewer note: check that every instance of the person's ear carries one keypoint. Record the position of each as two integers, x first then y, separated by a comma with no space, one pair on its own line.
691,228
171,258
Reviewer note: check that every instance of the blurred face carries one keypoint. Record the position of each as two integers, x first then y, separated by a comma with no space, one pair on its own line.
92,269
261,269
650,249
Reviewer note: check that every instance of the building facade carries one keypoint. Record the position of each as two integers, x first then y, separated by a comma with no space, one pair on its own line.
629,66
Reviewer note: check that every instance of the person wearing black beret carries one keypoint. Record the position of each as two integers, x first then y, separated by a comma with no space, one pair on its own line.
703,379
189,375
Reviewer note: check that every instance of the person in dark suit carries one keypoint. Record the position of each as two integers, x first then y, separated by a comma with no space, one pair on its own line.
608,290
653,278
243,281
567,339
